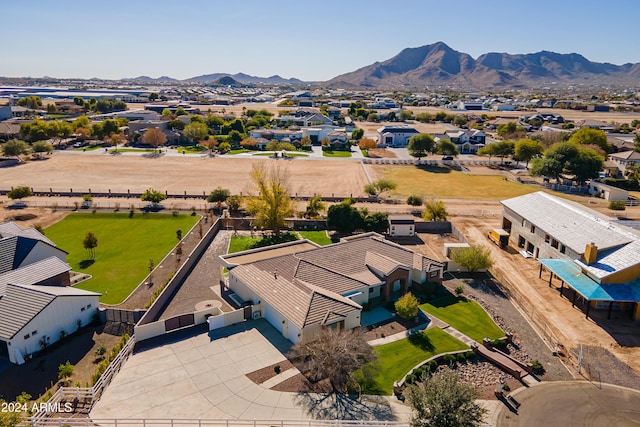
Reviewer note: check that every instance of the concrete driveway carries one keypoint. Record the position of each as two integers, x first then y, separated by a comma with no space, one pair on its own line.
198,376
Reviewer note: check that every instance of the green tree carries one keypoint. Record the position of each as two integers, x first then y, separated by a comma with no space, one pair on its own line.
380,186
33,102
153,196
460,120
407,306
586,165
424,117
500,149
154,137
314,207
527,149
377,221
435,211
587,136
219,195
507,129
272,205
442,400
473,258
15,148
235,138
80,122
414,200
224,147
405,115
10,418
344,217
42,147
153,96
357,134
90,243
65,370
335,355
18,193
447,148
234,202
421,144
195,132
636,141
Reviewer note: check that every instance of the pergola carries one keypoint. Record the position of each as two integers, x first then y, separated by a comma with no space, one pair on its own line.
570,273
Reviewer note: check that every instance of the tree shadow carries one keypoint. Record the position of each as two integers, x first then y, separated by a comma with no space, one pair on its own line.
86,263
434,169
421,341
335,406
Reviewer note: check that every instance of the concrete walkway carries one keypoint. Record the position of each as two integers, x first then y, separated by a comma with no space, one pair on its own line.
204,377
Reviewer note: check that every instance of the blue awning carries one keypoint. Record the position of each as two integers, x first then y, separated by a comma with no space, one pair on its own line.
572,275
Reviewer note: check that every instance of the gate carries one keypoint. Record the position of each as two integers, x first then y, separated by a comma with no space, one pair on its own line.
179,322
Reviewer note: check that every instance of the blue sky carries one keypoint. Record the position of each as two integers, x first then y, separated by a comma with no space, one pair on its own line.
310,40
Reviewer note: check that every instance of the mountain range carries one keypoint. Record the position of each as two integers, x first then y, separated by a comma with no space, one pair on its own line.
439,65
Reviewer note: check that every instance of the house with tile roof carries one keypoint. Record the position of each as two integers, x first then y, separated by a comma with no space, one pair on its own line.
300,287
37,305
597,258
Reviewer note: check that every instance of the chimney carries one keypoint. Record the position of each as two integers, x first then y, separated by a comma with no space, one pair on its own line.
590,253
275,274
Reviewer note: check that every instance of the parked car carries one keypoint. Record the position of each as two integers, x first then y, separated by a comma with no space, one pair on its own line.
17,205
447,157
151,207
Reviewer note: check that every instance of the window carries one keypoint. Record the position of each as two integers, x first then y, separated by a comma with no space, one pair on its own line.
563,248
371,290
524,222
533,228
547,238
82,309
88,305
34,333
434,273
554,243
26,336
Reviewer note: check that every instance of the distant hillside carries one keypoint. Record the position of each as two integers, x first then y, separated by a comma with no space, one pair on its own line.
244,79
147,79
439,65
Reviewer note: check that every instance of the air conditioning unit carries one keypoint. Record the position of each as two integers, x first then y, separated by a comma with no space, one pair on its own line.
257,315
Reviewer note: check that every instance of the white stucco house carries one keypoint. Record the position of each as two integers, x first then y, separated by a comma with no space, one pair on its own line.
395,136
300,287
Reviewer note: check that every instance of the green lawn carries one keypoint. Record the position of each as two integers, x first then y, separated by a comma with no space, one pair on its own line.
442,182
336,153
242,243
397,358
125,246
319,237
464,315
132,150
192,149
238,151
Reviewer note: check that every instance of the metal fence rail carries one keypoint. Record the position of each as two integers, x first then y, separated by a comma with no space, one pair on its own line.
86,422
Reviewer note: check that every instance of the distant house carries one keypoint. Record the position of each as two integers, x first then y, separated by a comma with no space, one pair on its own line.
5,112
305,117
37,305
594,124
625,159
468,105
301,288
466,140
396,135
9,129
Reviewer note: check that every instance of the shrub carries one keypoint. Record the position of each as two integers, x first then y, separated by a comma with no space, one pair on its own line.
449,359
470,355
538,369
506,387
617,205
433,365
410,379
277,369
498,343
414,200
459,290
461,357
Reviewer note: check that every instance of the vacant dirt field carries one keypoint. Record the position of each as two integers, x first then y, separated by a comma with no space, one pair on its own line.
178,174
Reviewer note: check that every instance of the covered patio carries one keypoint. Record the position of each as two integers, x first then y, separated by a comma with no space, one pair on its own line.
570,273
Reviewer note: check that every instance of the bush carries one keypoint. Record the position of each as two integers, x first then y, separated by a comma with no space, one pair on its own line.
538,369
410,379
617,205
461,357
506,387
449,359
459,290
470,355
414,200
498,343
433,365
277,369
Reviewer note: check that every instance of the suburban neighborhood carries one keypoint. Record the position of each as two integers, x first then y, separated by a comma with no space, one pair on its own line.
439,238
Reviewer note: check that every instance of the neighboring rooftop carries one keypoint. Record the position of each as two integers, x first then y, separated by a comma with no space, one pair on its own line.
568,222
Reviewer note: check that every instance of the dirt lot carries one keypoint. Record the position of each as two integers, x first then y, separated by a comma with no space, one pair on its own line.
101,172
553,314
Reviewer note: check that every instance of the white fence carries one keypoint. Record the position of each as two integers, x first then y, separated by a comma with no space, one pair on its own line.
86,422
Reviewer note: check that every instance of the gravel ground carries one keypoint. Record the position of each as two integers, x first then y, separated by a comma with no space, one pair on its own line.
511,320
600,364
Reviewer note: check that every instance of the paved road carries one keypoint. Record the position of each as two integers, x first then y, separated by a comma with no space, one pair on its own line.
572,404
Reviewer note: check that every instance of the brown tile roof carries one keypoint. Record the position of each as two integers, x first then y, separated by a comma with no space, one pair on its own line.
307,286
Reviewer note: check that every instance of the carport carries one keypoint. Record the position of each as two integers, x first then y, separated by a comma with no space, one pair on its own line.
583,286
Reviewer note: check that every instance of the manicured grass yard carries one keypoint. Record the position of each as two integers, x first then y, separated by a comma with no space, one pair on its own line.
289,154
238,151
319,237
397,358
190,149
442,182
464,315
132,150
242,243
125,246
336,153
